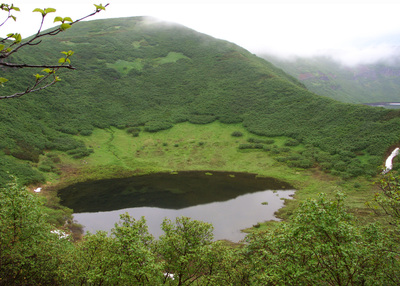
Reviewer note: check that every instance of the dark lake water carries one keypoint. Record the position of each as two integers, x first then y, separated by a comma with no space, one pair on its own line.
230,201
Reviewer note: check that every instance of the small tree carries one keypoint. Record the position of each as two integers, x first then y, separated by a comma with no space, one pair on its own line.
13,43
185,247
124,258
321,245
134,257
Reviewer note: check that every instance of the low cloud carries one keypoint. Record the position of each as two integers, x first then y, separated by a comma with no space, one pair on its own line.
350,56
384,53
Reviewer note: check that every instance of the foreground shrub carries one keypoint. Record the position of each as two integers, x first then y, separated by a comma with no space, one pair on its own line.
323,243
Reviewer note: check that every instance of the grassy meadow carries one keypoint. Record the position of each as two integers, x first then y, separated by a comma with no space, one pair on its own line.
209,147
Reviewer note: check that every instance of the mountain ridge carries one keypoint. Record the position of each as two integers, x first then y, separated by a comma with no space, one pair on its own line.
361,83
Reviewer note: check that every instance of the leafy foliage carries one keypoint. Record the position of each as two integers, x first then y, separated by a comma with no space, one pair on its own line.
127,257
321,243
185,247
29,252
387,201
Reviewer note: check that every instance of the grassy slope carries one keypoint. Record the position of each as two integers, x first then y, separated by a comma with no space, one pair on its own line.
135,72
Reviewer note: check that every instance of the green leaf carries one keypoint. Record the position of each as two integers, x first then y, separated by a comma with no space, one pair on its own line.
2,47
61,60
14,18
67,19
39,10
64,26
3,80
10,35
38,76
18,38
99,7
49,10
48,71
15,8
3,7
69,53
58,19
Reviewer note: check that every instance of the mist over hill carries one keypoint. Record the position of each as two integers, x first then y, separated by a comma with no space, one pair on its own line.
142,73
374,80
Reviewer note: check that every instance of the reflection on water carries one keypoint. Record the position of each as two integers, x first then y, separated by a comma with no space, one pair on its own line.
228,217
230,201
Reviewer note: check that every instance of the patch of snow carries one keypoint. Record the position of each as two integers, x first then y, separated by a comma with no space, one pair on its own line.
169,275
37,190
61,234
389,160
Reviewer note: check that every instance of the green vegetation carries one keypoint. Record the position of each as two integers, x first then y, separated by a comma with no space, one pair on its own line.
322,244
172,75
172,99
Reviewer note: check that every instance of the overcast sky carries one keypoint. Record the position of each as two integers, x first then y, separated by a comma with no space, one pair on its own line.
352,30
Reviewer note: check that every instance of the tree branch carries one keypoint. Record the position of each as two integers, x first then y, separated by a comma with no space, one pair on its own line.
11,65
30,90
50,33
15,46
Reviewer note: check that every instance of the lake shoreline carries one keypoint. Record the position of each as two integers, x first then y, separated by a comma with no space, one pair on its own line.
188,147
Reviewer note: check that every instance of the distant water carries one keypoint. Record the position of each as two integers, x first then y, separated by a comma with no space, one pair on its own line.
230,201
390,105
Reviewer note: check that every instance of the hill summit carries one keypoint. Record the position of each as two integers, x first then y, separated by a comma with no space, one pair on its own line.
140,72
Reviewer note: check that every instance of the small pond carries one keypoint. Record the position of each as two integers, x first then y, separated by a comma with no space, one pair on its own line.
230,201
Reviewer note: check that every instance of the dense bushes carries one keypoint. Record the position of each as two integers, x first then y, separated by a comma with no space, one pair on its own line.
9,165
80,152
323,243
134,131
263,141
292,142
237,134
251,146
154,126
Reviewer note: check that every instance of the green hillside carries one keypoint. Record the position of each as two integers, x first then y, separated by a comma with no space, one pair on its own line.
142,75
363,83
